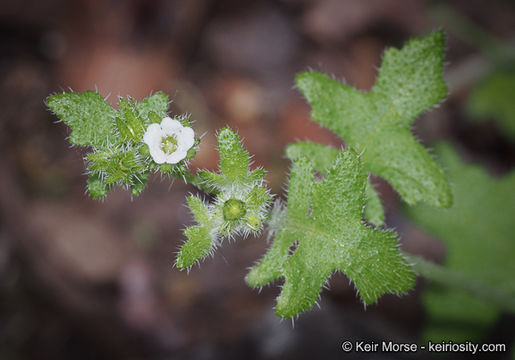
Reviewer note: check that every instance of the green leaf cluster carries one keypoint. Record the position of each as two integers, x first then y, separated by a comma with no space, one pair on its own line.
321,229
376,124
478,233
322,232
116,136
240,205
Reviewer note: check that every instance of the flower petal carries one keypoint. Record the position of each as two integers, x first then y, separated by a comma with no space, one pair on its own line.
158,155
170,126
153,132
175,157
186,139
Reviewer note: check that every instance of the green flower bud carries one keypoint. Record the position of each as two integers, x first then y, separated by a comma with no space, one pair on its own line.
234,209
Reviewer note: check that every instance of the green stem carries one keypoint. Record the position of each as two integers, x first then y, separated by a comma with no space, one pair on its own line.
455,280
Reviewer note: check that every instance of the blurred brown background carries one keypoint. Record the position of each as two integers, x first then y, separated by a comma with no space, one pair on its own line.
84,279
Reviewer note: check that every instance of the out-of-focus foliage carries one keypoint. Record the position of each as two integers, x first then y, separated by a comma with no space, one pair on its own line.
494,97
478,233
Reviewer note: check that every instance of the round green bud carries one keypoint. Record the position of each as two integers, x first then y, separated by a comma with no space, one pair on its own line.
234,209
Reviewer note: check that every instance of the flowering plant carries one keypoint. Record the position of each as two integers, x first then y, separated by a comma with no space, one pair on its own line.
330,223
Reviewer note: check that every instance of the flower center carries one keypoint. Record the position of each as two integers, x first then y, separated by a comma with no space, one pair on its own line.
234,209
169,144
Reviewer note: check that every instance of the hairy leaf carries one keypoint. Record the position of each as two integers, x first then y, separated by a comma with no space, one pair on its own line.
130,124
322,157
89,116
478,232
377,123
374,212
156,103
234,160
324,219
117,165
138,182
200,237
97,187
234,164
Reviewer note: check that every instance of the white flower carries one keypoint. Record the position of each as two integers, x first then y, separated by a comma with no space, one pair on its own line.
169,141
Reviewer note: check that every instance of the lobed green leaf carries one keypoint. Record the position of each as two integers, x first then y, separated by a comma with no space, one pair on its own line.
324,219
377,123
89,116
200,238
197,247
234,160
322,157
234,165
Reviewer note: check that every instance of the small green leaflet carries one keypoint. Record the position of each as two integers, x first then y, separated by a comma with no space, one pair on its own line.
478,233
116,136
90,117
201,238
234,164
240,202
156,103
324,220
376,124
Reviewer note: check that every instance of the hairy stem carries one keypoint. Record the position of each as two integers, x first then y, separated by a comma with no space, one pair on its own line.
441,275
